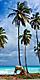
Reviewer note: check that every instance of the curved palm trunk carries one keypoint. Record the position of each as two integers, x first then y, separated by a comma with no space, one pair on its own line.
19,48
37,38
25,60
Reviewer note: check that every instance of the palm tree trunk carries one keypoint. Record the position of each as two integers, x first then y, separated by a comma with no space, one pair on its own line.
25,60
19,48
37,38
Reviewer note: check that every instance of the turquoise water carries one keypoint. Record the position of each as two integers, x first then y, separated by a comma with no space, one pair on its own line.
10,70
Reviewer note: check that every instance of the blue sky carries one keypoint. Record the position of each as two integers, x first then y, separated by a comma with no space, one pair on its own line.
9,55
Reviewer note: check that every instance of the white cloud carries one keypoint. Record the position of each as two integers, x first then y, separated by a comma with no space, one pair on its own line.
35,5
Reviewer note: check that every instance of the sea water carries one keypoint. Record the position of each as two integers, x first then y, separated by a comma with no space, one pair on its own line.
10,70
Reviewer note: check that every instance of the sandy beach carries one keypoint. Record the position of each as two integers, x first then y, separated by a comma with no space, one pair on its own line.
16,77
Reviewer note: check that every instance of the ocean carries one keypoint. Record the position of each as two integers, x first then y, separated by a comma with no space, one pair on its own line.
10,70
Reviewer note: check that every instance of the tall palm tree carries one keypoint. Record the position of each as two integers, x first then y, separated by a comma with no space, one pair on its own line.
35,22
25,38
21,14
3,37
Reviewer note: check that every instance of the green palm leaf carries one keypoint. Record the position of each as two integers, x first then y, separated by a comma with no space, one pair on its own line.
11,14
21,10
25,37
3,37
35,21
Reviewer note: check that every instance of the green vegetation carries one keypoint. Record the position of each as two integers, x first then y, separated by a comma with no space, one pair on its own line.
22,77
37,51
35,22
20,16
3,37
26,39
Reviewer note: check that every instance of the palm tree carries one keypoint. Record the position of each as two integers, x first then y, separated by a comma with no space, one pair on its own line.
35,22
26,39
21,14
3,37
37,51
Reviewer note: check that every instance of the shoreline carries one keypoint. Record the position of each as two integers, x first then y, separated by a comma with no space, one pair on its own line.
20,76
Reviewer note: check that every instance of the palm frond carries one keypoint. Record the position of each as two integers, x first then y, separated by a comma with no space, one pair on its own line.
39,44
20,36
1,45
11,14
26,37
26,18
20,6
1,29
35,21
13,9
14,20
3,37
22,21
38,22
21,40
27,10
37,13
